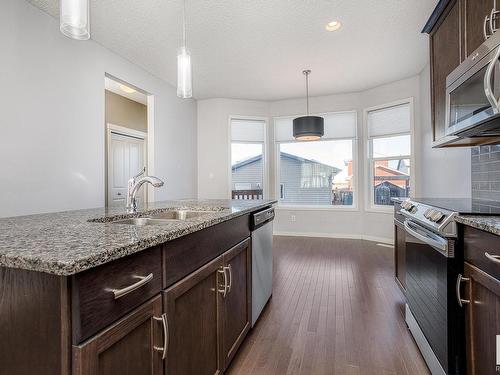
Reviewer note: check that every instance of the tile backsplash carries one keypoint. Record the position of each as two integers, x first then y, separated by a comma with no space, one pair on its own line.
486,174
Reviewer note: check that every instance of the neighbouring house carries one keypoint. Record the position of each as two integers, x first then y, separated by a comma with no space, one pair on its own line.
302,181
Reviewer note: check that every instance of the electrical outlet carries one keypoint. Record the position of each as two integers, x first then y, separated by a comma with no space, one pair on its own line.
293,218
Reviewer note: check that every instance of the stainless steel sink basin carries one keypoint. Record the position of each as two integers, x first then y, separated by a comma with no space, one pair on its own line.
163,217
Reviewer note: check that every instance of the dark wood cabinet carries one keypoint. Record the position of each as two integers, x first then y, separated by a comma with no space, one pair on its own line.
455,31
445,50
400,255
192,308
131,346
482,320
236,308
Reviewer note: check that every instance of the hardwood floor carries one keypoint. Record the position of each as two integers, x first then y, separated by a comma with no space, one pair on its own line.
336,309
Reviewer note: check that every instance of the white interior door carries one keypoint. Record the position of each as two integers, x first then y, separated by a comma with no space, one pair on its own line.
126,158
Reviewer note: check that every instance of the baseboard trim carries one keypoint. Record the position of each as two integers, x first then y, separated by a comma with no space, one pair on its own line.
336,235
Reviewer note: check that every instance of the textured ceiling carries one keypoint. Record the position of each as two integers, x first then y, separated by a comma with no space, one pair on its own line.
256,49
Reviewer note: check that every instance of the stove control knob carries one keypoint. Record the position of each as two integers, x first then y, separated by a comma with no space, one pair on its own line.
437,216
427,213
413,209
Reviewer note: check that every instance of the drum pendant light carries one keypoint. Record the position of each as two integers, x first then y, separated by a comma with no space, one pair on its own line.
308,128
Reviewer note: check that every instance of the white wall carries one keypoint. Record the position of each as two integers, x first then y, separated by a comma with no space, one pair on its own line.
214,143
52,127
445,172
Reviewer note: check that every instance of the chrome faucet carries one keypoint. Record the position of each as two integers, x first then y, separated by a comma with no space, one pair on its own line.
134,185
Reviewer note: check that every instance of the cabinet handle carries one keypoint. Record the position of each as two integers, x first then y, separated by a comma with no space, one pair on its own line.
222,270
228,268
163,349
488,91
493,14
485,23
461,301
143,280
493,258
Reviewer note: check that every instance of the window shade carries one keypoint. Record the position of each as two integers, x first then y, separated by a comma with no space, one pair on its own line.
247,130
389,121
337,126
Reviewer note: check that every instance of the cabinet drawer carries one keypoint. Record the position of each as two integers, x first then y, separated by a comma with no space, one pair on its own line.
184,255
476,244
104,294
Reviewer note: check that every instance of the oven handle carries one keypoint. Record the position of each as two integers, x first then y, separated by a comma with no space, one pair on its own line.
488,91
426,236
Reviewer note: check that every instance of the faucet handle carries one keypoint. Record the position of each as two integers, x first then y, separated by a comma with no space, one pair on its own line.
143,171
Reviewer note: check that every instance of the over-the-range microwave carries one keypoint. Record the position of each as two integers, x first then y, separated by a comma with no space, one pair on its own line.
472,93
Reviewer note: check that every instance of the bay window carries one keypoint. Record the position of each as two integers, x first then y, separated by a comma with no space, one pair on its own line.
317,173
247,158
389,152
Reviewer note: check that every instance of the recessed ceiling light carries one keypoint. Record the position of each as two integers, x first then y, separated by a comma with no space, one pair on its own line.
127,89
332,26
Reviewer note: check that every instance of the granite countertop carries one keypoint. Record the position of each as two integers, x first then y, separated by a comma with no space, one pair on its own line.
487,223
65,243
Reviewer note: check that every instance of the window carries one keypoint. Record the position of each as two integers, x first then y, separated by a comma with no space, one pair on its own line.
389,153
318,173
247,158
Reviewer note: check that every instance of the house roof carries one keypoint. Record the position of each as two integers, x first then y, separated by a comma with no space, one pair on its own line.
283,154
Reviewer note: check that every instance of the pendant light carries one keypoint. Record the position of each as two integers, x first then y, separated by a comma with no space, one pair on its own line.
308,128
184,79
74,19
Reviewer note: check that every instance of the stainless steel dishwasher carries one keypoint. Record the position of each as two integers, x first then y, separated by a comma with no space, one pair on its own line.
262,260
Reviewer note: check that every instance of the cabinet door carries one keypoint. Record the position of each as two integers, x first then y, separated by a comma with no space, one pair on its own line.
475,12
192,307
400,256
236,309
445,52
132,346
482,320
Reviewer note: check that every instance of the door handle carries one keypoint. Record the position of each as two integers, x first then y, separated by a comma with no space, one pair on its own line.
163,349
461,301
488,91
223,291
485,25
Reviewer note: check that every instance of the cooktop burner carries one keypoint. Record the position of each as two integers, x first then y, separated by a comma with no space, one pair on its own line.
462,205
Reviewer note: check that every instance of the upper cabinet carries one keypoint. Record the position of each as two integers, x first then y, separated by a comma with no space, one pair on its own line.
456,29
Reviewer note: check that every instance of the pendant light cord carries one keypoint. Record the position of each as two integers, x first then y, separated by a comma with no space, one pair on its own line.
306,73
184,23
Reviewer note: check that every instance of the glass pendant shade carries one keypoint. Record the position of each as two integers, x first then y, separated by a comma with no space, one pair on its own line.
75,19
184,80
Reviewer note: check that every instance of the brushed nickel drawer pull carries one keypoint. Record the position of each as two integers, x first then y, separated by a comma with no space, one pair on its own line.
163,349
143,281
461,301
228,268
493,258
225,286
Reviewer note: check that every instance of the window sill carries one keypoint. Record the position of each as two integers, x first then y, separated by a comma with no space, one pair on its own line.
316,208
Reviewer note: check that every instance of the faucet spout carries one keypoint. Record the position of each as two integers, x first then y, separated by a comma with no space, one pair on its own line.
134,186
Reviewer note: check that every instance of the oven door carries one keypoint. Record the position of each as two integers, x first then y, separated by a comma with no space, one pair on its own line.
427,291
472,106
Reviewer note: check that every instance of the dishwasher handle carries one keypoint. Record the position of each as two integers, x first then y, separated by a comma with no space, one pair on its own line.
262,217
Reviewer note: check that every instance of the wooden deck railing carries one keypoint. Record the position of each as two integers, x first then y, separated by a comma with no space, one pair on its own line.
247,194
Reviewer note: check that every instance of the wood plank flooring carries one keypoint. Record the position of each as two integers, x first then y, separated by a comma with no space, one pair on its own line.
336,309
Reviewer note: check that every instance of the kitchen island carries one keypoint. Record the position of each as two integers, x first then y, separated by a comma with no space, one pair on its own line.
81,293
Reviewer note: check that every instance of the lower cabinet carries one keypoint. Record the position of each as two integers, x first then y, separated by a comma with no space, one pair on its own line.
482,320
131,346
208,314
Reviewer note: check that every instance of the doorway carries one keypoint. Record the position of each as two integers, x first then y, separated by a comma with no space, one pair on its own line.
128,139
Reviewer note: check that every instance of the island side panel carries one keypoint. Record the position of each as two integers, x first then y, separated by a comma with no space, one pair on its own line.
34,323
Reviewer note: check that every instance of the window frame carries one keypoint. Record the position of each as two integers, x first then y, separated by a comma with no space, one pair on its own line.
370,161
355,166
265,166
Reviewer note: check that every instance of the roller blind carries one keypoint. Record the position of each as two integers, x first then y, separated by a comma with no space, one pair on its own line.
247,130
338,125
389,121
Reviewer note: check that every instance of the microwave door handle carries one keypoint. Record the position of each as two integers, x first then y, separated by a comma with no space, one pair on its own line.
488,91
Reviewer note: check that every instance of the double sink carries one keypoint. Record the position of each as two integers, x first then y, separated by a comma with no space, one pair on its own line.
164,217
